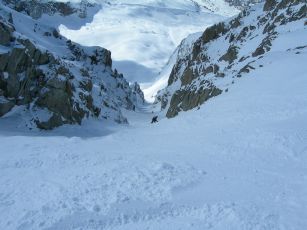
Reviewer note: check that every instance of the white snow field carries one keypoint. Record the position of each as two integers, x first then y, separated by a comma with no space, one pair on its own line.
237,163
143,34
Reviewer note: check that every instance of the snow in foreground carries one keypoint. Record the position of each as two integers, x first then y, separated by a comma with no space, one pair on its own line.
240,162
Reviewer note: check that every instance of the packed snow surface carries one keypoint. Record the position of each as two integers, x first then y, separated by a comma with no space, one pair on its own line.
143,34
239,162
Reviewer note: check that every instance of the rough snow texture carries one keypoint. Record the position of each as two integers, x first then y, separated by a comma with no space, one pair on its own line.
231,50
238,163
56,80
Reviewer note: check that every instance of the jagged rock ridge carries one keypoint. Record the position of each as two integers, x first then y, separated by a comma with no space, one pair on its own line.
243,3
228,51
36,9
55,80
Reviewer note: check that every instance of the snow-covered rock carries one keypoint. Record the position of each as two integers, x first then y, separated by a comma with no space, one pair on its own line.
241,4
57,81
36,9
230,50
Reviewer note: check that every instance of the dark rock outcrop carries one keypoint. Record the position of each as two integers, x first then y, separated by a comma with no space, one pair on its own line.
36,9
226,51
5,105
269,5
184,100
241,4
6,34
230,55
61,85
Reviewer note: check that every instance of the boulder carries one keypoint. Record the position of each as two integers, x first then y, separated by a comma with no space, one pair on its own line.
5,106
230,55
18,61
269,5
54,121
5,34
4,60
56,100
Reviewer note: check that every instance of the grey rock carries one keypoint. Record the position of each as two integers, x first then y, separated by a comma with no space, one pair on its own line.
6,32
36,9
265,46
5,106
269,5
19,60
231,54
187,76
241,4
184,100
214,32
54,121
4,60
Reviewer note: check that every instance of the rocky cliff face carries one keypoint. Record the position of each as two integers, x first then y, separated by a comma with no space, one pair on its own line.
227,51
54,80
36,8
241,4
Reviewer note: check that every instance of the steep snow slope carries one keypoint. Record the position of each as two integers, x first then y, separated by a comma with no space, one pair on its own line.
240,162
229,51
143,34
237,163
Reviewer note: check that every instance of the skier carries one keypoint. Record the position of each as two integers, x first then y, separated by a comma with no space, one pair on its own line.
154,119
